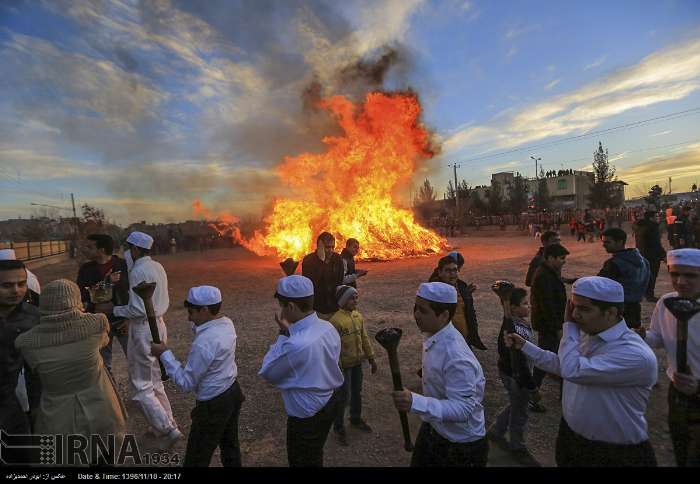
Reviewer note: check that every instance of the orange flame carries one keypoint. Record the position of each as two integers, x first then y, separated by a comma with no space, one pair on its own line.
349,189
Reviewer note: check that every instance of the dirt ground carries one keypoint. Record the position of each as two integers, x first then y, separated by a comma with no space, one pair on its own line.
386,299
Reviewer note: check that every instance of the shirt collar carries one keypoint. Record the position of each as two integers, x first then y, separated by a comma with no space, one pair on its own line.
437,337
302,323
208,324
144,258
613,332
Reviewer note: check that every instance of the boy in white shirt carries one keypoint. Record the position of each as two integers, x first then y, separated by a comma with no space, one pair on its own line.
453,431
211,373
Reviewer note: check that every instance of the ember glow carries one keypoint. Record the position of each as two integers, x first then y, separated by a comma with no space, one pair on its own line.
349,190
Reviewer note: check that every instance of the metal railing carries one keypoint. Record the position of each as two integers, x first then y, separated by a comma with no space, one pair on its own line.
36,250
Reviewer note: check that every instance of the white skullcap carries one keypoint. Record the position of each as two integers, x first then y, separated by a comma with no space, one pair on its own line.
7,254
139,239
295,287
600,289
438,292
33,282
684,257
204,296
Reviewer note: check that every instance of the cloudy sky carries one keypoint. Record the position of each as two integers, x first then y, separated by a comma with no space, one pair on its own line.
139,107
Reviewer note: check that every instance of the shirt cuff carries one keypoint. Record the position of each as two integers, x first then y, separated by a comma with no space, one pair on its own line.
168,359
530,350
117,311
419,403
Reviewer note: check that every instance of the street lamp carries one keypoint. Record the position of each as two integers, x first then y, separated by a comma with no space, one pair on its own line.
536,160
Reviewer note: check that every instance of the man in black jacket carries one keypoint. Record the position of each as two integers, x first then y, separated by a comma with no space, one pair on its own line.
548,238
630,269
325,269
16,317
351,274
648,239
464,320
548,302
105,267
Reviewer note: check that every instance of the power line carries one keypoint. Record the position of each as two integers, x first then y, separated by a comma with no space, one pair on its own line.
635,124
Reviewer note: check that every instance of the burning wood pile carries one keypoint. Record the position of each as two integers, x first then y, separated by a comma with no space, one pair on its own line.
350,189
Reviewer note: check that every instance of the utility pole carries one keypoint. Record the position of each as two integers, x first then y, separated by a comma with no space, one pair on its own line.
75,228
455,166
537,183
669,186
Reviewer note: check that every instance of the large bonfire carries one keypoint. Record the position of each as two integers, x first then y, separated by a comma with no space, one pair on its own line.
350,189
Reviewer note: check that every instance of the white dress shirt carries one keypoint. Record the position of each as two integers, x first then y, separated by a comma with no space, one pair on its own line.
211,365
662,334
453,384
145,270
607,381
305,366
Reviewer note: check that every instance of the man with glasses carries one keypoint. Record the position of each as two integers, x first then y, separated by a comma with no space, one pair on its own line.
464,319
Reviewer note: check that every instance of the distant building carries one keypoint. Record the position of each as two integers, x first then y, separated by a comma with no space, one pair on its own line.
568,189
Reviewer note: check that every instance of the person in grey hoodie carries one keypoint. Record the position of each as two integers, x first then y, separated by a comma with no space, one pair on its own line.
630,269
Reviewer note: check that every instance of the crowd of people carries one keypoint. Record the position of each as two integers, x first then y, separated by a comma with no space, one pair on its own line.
57,346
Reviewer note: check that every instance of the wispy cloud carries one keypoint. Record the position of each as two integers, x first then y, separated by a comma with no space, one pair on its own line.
551,85
666,75
515,32
596,63
683,167
662,133
618,157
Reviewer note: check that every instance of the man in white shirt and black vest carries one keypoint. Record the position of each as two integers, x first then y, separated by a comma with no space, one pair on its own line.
684,391
211,373
607,374
453,432
304,364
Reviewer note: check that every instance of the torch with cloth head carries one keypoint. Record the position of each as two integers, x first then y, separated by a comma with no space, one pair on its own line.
145,291
389,339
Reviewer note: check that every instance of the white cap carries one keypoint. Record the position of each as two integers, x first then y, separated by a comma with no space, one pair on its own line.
684,257
295,287
139,239
204,296
7,254
438,292
600,289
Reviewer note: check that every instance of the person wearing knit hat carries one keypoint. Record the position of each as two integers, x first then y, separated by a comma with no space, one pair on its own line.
33,286
144,372
303,363
16,317
211,373
608,373
453,432
355,348
684,391
78,397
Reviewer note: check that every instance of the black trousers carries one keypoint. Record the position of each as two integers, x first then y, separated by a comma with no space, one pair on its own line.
547,341
307,436
573,450
434,450
654,265
684,424
14,421
215,424
633,314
